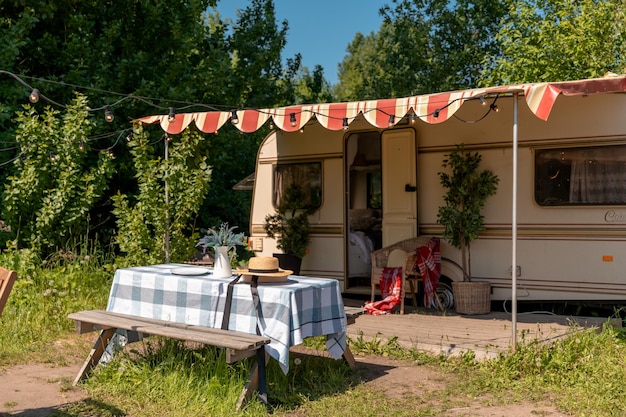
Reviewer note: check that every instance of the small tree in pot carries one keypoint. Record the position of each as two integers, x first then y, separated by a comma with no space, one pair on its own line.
290,225
468,190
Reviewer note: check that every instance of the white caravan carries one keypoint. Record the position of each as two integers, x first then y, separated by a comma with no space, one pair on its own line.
371,170
374,186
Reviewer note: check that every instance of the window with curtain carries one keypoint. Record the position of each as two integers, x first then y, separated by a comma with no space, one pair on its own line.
307,176
581,176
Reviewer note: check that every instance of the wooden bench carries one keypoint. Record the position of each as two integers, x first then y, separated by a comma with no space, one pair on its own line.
237,345
7,279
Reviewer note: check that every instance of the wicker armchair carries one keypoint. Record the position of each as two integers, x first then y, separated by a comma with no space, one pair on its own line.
379,262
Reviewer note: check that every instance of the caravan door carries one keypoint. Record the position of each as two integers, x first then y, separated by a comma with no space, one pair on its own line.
399,185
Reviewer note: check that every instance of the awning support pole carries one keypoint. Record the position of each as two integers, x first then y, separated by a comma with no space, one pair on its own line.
514,229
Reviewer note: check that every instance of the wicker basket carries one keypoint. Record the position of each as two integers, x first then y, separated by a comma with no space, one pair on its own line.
472,297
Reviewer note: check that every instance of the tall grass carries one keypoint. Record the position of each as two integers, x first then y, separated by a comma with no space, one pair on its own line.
166,377
44,294
583,374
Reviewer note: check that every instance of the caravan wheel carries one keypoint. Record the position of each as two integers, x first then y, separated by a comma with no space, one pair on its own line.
445,294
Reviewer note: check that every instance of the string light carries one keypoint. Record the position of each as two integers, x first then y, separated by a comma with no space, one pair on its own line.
53,156
108,116
345,124
81,145
34,96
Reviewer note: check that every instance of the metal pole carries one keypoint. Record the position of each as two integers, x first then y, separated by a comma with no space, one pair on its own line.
514,229
167,203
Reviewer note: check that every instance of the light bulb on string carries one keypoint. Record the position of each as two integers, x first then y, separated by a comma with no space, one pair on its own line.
345,124
483,102
494,108
34,96
81,146
234,119
53,156
292,119
392,120
108,115
171,115
436,114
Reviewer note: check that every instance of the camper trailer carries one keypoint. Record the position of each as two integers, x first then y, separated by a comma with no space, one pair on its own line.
370,170
373,186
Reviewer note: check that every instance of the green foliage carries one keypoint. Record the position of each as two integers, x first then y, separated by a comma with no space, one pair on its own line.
586,370
48,199
65,42
555,40
467,191
289,225
223,236
198,382
146,220
45,293
422,46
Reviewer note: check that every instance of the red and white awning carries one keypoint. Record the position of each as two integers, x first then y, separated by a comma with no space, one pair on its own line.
431,108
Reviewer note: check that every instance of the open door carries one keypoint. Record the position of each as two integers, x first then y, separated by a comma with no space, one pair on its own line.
399,185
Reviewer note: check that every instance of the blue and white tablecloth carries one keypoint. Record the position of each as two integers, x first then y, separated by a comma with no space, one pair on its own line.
290,311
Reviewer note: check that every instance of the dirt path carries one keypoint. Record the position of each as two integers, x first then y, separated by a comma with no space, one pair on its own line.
36,390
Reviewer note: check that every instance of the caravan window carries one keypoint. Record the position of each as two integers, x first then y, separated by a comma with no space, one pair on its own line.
581,176
307,177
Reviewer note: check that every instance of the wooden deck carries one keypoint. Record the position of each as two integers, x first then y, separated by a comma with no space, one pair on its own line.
451,334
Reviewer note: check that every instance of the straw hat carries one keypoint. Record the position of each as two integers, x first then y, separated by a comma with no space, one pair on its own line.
266,268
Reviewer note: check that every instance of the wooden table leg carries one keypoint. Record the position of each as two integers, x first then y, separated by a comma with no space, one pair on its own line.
96,353
349,358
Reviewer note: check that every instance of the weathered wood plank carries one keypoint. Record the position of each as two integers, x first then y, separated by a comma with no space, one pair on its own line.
449,333
216,337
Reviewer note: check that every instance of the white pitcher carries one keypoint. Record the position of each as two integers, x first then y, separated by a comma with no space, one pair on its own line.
221,266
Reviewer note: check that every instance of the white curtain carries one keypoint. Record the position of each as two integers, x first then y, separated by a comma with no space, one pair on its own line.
598,177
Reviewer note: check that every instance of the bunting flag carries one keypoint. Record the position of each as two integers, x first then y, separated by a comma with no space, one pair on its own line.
430,108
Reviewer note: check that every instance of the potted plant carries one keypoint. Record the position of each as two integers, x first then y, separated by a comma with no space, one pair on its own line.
468,189
222,240
289,225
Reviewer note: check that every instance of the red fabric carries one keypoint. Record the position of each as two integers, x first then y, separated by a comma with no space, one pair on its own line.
391,290
428,263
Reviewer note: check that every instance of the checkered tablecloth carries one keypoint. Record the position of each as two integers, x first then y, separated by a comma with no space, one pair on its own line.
289,311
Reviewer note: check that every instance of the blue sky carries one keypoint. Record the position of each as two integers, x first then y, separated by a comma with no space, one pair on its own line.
320,30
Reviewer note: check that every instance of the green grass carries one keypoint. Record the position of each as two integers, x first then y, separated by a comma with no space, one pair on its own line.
582,375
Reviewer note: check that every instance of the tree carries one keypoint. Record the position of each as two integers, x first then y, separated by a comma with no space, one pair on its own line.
555,40
152,220
423,46
468,190
158,54
47,200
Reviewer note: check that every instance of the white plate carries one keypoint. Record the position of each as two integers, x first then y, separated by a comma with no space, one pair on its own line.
191,271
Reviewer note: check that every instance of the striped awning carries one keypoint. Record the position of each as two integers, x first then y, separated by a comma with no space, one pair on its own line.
430,108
